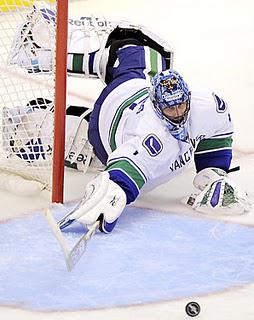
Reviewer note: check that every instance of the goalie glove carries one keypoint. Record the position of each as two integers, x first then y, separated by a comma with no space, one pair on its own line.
219,194
104,200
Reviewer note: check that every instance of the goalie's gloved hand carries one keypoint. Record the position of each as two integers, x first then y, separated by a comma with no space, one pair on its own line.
207,176
219,194
104,200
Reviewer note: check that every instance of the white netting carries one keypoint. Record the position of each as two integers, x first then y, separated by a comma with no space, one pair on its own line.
26,93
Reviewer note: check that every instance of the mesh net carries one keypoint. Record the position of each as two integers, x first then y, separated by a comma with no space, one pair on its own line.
27,53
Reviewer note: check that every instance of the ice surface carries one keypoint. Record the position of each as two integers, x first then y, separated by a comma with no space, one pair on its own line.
213,47
150,257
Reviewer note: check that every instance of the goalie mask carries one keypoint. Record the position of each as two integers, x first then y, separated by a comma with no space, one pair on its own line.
171,100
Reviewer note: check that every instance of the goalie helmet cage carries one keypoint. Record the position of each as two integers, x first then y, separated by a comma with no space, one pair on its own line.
33,54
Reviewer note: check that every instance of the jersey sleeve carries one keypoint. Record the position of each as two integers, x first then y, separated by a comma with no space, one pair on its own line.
216,151
137,162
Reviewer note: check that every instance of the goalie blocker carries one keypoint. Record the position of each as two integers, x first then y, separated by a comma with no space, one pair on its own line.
104,200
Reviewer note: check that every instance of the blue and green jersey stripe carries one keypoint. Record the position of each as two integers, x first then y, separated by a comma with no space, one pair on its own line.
209,145
130,169
154,62
119,113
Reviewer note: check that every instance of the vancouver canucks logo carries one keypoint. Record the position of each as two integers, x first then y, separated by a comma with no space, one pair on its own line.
221,106
153,145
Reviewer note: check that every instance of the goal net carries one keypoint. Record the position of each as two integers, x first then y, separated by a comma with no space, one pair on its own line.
32,76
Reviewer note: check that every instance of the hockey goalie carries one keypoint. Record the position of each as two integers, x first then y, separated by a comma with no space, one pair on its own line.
146,126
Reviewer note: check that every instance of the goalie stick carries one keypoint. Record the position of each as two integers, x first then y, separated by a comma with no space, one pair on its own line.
71,256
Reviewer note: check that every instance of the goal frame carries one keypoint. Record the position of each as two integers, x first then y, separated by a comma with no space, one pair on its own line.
60,101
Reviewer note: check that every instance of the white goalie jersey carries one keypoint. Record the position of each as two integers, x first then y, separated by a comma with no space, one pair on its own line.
151,154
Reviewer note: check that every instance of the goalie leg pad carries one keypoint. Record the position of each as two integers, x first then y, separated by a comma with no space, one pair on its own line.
78,151
31,47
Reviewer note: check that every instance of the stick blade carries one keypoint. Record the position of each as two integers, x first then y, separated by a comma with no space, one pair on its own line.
77,251
59,237
71,256
80,247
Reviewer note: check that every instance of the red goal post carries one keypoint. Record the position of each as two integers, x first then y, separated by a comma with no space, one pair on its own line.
30,145
60,101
